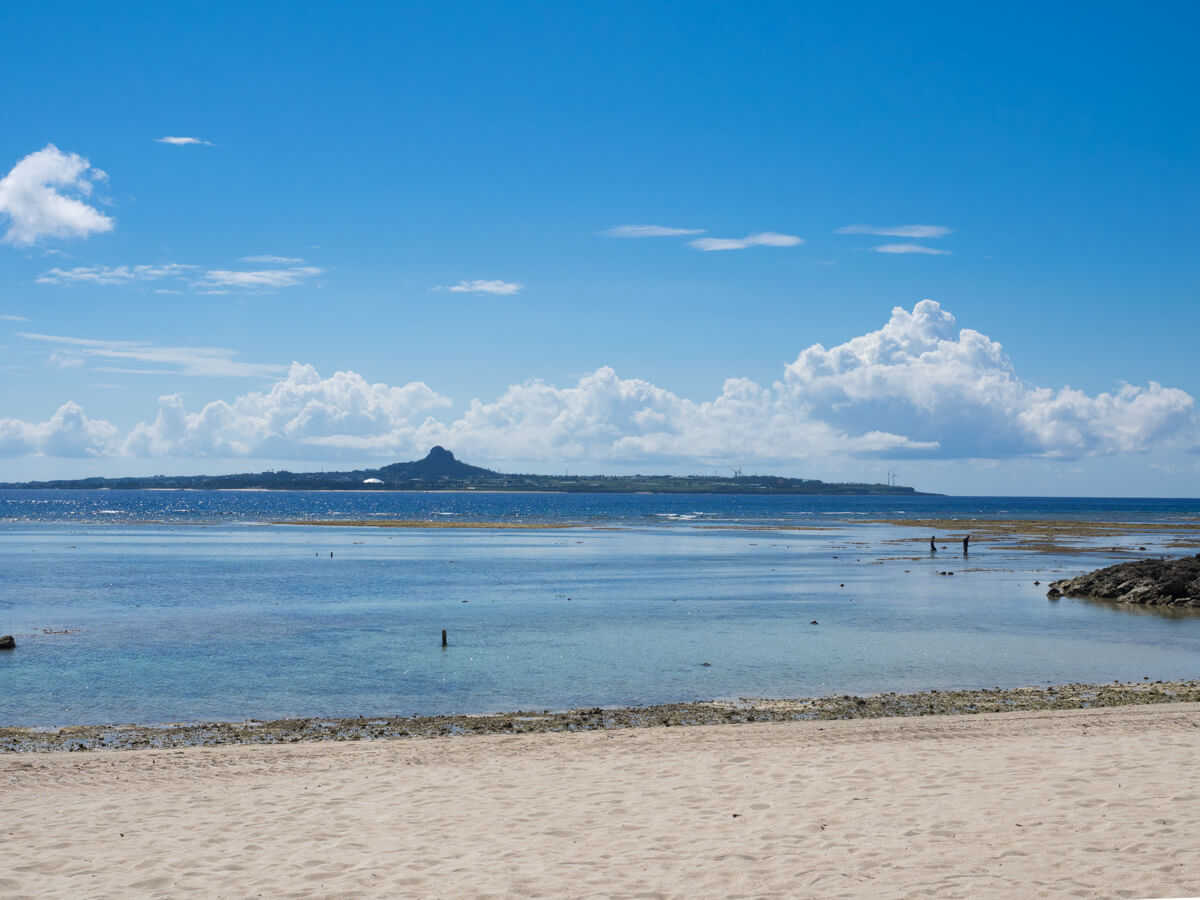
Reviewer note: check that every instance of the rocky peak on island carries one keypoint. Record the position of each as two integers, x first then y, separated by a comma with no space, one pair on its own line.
438,463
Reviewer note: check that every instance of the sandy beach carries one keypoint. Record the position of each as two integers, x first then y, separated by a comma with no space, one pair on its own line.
1086,803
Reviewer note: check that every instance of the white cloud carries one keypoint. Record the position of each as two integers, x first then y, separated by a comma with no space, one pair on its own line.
66,433
110,275
210,281
908,231
910,248
762,239
647,231
301,410
257,280
274,260
919,387
201,361
12,318
65,359
481,286
182,141
41,195
917,376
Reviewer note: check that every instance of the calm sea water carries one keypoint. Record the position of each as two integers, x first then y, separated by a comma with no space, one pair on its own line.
184,606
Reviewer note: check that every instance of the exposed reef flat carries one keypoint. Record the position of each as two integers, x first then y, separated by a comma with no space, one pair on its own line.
714,712
1051,536
1148,582
420,523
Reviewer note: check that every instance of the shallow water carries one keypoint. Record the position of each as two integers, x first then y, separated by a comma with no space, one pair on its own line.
183,622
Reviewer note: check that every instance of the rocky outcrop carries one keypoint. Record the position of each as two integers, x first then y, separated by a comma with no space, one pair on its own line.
7,642
1149,582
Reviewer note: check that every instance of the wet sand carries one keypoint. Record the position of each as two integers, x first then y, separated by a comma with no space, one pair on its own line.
1089,803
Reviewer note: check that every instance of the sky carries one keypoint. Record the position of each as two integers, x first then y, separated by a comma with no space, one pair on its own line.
951,242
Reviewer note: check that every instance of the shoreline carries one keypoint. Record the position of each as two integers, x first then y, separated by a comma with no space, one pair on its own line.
320,729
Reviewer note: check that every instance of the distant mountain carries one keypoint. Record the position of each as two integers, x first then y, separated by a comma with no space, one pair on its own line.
439,463
440,471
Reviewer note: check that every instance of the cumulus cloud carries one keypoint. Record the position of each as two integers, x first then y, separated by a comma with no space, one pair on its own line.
762,239
182,141
482,286
66,433
41,198
956,389
647,231
910,248
302,409
908,231
918,387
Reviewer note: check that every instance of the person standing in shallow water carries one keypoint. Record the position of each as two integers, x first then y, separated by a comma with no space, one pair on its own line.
966,544
933,544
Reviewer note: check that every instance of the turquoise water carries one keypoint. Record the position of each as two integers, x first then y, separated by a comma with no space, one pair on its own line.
223,619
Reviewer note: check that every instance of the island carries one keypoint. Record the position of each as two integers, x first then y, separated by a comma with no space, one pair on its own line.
440,471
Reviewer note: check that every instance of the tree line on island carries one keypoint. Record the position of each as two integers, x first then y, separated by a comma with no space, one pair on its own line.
440,471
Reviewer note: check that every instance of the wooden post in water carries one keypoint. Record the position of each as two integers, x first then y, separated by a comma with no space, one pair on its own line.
443,638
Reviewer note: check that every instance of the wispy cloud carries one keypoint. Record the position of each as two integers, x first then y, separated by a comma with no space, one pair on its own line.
259,279
182,141
274,260
908,231
65,359
12,318
648,231
761,239
484,286
109,275
41,197
910,248
73,352
204,281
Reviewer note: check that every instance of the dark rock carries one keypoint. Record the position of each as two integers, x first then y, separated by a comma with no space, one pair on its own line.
7,642
1150,582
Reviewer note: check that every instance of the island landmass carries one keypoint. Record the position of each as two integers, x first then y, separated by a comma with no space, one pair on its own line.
440,471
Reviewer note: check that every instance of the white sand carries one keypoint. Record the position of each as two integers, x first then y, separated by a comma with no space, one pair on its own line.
1090,804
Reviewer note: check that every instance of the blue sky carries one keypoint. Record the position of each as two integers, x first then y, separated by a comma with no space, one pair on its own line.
401,224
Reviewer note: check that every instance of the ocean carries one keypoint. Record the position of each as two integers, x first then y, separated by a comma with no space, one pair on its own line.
179,606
